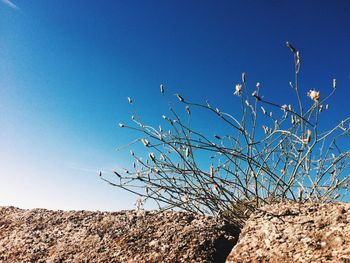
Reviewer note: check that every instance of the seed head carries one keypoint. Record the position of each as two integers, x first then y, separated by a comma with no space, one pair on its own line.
161,88
121,125
129,100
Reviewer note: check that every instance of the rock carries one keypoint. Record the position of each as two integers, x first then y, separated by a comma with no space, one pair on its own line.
40,235
289,232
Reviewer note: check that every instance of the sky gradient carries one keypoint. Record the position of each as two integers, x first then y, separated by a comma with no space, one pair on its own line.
67,67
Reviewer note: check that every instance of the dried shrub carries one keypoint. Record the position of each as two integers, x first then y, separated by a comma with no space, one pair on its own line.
282,156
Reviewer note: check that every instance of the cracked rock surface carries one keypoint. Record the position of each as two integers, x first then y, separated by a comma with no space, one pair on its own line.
289,232
40,235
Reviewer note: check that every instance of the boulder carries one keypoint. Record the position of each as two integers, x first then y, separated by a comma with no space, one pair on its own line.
293,232
40,235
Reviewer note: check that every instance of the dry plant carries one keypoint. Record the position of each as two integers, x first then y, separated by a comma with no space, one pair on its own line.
285,157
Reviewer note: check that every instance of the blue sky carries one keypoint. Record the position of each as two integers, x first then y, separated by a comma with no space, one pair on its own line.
67,67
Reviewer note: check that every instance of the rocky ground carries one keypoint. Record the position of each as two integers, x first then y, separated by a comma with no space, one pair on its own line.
41,235
288,232
296,233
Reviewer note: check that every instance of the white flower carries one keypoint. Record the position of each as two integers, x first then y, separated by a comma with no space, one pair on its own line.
314,95
238,90
284,107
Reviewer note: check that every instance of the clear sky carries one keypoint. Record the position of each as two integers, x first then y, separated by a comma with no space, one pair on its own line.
67,67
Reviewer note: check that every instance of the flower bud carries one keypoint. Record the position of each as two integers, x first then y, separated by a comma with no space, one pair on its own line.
243,77
179,97
145,142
